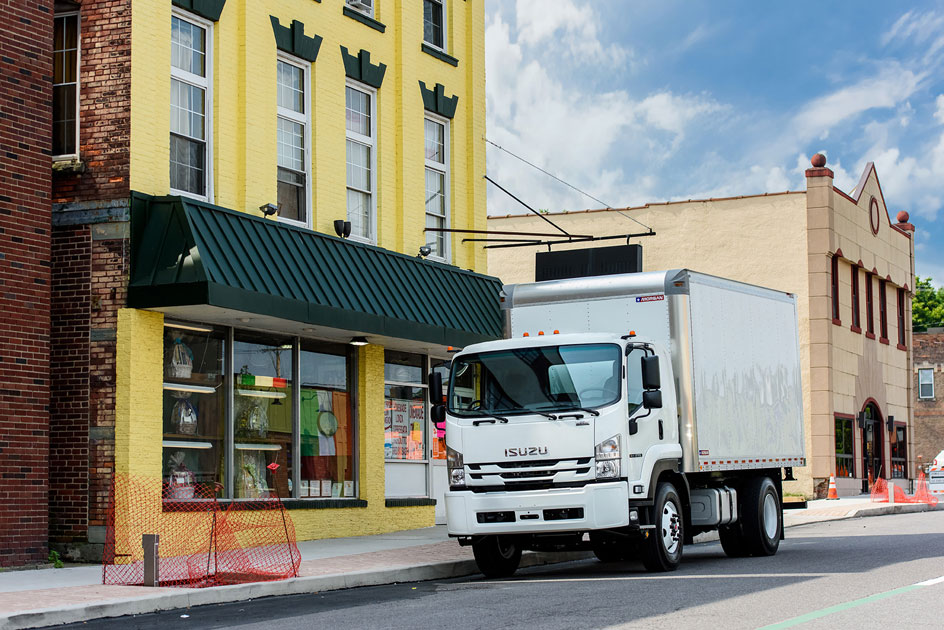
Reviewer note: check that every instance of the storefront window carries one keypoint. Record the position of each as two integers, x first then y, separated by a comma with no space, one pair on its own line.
262,413
899,453
844,447
438,431
194,411
405,408
326,423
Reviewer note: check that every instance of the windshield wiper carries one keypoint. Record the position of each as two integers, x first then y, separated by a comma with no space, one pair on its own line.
592,412
491,420
549,416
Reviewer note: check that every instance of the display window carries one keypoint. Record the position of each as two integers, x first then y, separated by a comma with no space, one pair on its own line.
262,409
194,424
405,406
275,439
326,423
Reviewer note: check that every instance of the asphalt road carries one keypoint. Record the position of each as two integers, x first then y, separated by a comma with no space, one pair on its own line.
878,572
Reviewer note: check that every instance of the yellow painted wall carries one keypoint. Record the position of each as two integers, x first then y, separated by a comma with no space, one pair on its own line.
244,111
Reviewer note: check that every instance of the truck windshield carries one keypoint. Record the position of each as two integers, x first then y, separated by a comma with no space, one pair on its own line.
535,379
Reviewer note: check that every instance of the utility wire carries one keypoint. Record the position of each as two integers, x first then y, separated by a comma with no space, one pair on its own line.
555,177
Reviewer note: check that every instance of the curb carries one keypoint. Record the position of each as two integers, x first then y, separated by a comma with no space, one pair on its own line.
76,613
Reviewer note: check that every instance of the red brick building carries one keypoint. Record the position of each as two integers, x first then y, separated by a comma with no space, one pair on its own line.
90,196
929,394
25,145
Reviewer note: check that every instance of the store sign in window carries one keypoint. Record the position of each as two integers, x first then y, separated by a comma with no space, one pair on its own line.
405,423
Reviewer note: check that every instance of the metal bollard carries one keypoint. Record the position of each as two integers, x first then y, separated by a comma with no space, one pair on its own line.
150,542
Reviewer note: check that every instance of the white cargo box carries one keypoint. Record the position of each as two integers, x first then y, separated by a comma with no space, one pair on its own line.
734,346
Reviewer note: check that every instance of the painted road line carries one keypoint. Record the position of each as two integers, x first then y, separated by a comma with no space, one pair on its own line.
816,614
630,578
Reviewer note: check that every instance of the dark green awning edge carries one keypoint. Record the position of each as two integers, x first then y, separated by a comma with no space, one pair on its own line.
173,263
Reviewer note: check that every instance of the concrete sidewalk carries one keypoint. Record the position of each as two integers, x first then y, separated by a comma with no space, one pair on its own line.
42,597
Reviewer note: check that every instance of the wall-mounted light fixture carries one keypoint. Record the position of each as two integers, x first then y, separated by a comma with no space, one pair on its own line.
359,341
860,419
268,209
342,228
890,423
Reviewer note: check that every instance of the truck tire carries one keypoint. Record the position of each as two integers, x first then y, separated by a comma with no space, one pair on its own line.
732,541
497,556
662,547
609,548
762,518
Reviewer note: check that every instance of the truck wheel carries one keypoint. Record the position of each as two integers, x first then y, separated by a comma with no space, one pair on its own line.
762,517
497,556
732,541
662,548
609,548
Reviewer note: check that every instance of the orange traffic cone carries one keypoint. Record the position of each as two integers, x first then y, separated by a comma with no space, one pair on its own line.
832,494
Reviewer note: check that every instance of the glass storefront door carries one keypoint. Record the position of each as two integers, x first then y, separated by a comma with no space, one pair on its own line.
405,425
872,445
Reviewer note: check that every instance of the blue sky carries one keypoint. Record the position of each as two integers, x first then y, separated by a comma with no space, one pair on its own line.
638,102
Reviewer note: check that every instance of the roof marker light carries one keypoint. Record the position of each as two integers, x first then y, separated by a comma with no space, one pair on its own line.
526,335
540,332
556,332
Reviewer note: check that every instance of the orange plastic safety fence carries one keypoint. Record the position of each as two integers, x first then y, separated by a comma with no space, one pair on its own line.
879,493
202,542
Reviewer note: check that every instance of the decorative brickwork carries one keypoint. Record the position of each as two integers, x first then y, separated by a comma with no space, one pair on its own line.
25,147
928,412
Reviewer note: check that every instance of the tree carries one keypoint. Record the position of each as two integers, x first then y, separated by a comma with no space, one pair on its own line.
927,308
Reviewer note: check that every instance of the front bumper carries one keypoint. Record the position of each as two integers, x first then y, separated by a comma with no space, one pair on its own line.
603,505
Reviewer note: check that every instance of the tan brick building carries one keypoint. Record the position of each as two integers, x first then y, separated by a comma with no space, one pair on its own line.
928,395
852,269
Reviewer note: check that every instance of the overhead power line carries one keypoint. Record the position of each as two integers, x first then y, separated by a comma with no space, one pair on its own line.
569,185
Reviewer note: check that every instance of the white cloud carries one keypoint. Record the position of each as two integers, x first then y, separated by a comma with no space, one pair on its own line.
893,85
581,135
563,21
673,113
914,27
939,113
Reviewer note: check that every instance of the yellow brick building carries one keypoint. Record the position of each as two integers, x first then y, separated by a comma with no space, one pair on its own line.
286,300
851,267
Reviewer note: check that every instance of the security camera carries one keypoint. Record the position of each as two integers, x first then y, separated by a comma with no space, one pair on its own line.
269,209
425,251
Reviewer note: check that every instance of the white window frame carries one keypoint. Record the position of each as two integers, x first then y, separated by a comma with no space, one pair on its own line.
356,5
926,371
302,119
445,42
206,84
78,81
372,143
443,168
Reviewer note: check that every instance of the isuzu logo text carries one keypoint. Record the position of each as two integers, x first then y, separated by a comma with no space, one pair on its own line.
524,451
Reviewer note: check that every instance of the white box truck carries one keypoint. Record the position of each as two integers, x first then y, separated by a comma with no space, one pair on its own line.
625,414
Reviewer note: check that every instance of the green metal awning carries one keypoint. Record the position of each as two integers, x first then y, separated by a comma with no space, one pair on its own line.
190,253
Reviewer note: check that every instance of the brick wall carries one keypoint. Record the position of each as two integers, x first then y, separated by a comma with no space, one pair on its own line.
69,429
104,105
90,278
25,147
929,414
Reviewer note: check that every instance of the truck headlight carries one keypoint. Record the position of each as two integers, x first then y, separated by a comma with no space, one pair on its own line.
607,455
455,468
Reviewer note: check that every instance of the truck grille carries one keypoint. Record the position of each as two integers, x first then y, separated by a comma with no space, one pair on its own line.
530,475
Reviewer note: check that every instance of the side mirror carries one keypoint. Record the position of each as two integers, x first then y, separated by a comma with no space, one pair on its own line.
650,373
437,414
652,399
435,388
